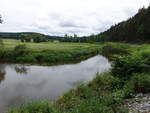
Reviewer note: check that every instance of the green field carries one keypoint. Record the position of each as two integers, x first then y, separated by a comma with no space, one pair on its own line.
57,46
47,52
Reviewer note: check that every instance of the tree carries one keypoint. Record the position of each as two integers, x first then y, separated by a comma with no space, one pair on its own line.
20,50
25,38
66,36
33,38
1,19
75,36
38,38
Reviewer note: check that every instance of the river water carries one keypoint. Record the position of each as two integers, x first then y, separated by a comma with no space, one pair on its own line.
22,83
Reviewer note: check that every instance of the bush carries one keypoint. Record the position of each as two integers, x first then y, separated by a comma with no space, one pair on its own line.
28,59
125,66
105,82
128,90
109,50
2,53
34,107
6,55
146,55
141,83
20,50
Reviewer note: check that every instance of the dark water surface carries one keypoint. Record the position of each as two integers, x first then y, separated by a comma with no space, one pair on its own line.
20,83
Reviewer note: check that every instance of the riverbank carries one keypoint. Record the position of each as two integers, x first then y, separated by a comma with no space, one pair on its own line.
130,75
48,53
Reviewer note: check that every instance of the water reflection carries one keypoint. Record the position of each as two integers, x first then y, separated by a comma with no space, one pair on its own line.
21,69
2,73
45,82
2,76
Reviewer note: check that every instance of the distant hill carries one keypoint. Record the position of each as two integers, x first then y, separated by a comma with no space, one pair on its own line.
134,30
9,35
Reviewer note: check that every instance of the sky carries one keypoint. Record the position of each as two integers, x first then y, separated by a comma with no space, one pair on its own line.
59,17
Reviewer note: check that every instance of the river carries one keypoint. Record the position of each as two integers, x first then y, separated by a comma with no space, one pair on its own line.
23,83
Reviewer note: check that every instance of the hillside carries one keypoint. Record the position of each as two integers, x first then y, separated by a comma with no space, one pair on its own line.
135,29
9,35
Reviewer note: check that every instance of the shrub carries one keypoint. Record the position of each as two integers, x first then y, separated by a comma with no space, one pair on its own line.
2,53
109,50
6,55
105,82
28,59
128,90
39,57
20,50
146,55
141,83
34,107
125,66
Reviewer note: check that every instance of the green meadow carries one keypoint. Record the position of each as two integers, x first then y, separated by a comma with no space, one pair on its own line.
45,53
57,46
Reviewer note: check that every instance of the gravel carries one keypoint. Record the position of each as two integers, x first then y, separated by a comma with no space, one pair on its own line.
140,104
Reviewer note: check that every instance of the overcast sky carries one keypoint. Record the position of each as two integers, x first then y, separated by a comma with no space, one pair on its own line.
57,17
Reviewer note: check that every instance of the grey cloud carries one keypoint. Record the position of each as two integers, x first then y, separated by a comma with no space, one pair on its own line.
103,25
74,31
70,23
101,28
129,12
55,15
68,17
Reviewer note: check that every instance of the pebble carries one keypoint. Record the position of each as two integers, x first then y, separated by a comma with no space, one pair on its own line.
141,104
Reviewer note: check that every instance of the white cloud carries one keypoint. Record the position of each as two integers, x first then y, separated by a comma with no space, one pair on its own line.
57,17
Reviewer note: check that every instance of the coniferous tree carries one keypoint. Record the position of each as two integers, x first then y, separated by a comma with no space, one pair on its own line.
1,19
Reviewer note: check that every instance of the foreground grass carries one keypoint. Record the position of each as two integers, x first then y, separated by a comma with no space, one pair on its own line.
46,53
130,74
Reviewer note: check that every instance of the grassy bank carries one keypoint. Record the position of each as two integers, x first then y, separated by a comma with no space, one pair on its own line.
130,74
46,53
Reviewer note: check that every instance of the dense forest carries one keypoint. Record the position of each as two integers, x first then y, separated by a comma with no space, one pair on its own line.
135,29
